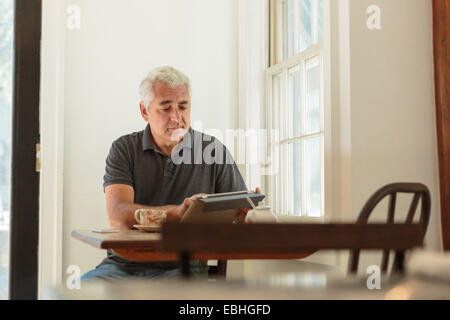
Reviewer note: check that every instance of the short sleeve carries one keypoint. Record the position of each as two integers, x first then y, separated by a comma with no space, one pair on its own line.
228,177
119,168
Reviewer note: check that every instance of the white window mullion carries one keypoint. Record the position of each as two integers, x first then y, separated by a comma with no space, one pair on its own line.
290,130
296,59
269,143
284,106
321,93
276,190
283,127
288,189
278,185
280,174
304,193
283,180
303,132
291,179
322,174
301,137
322,135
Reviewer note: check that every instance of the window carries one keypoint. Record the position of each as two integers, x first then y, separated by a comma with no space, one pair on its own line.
295,107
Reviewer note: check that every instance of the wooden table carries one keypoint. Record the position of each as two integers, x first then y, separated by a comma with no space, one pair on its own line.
136,245
289,239
251,241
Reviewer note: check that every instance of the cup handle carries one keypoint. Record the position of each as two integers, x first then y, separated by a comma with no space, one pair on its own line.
136,213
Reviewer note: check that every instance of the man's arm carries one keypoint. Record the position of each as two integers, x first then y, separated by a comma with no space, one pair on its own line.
120,206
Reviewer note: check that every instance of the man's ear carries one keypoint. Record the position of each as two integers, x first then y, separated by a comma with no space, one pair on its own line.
144,112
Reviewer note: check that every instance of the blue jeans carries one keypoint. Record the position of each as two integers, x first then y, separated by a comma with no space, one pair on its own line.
112,272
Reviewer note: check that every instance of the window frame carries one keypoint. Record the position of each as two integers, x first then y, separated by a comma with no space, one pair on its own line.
322,51
24,208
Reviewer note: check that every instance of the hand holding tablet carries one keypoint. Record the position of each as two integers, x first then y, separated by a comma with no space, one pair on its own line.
221,207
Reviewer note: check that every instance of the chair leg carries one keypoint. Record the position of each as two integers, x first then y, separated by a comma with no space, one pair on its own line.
353,262
397,266
185,264
385,261
222,268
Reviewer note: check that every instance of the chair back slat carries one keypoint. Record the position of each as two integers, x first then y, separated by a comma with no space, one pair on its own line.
420,192
390,219
413,208
391,210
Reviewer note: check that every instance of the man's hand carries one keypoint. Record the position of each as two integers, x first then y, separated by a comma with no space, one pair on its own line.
240,218
177,212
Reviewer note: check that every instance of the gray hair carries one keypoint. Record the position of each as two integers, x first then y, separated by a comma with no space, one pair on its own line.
169,75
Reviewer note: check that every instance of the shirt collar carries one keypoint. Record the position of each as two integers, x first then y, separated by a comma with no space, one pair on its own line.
148,143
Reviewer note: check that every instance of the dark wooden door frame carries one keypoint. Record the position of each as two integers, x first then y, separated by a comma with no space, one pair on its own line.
441,38
24,234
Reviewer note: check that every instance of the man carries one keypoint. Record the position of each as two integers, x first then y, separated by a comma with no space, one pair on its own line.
143,170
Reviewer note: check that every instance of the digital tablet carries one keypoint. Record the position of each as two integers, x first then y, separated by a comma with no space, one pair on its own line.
221,207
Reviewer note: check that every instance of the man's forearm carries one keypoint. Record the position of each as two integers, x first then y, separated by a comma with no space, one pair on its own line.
122,215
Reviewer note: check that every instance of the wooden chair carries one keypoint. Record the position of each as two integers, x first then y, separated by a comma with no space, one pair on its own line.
420,192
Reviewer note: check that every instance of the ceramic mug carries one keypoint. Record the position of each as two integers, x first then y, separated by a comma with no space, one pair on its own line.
260,215
150,217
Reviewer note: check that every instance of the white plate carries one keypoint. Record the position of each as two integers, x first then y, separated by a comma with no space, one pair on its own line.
147,228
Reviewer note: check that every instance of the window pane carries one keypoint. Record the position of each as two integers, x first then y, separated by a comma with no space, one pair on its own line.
6,46
305,24
285,181
290,46
276,177
302,24
298,26
293,178
297,177
313,180
295,103
320,21
276,101
312,96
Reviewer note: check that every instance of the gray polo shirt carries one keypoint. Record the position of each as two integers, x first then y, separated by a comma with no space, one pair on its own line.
199,164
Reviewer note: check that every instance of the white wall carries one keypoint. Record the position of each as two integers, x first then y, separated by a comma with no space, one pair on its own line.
392,108
117,45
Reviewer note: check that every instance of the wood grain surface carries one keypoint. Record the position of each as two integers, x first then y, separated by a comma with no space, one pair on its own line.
441,38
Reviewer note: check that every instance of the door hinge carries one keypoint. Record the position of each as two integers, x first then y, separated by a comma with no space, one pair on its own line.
38,157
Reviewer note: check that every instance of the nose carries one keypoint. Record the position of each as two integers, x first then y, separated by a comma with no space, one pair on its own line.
175,115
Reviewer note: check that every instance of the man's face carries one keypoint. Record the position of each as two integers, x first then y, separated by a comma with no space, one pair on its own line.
169,114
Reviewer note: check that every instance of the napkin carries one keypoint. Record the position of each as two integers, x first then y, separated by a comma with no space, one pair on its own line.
429,264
